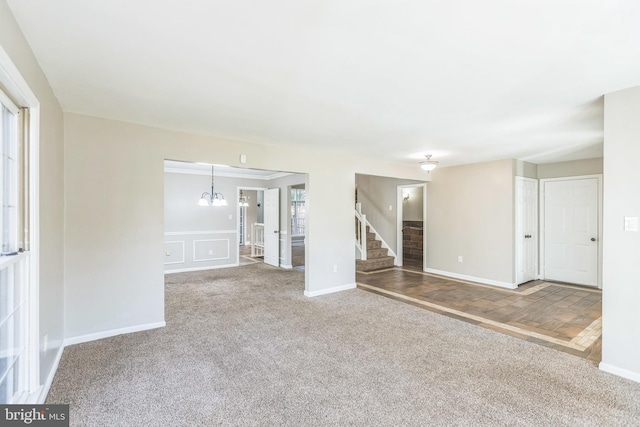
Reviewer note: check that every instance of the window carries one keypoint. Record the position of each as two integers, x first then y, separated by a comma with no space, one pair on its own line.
14,261
298,211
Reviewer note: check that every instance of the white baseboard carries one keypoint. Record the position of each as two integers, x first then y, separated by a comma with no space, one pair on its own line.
471,278
329,290
112,333
624,373
186,270
288,267
44,391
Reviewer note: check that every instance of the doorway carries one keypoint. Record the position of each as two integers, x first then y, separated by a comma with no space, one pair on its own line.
250,224
411,221
571,229
298,225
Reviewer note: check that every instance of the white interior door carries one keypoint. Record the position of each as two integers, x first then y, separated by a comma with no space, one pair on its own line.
571,231
272,227
526,230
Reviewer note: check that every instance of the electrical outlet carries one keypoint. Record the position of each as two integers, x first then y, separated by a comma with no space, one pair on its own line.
459,258
335,268
210,251
390,207
167,253
45,342
230,216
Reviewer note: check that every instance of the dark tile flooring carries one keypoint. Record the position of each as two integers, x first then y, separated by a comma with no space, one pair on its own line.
564,317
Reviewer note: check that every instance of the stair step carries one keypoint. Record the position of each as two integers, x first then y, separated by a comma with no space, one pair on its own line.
377,253
373,244
371,236
374,264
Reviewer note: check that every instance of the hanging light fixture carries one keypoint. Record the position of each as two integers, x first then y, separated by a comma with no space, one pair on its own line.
242,202
213,198
428,164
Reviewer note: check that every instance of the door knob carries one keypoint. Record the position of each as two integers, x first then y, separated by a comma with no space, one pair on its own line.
275,231
593,239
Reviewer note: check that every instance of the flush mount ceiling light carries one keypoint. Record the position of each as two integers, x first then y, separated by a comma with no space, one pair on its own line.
213,198
428,164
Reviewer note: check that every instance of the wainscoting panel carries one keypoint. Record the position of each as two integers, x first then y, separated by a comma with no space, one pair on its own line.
200,250
211,250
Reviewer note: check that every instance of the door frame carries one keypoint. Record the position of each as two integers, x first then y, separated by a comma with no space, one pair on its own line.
399,211
538,222
541,230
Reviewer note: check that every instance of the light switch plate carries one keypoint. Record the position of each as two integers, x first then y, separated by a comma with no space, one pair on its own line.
630,223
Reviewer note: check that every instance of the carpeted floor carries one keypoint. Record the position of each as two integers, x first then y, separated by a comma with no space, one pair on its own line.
243,346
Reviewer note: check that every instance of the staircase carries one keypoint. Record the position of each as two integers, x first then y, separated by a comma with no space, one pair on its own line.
377,256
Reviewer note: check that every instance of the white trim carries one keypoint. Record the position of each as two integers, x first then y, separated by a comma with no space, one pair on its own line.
212,259
624,373
229,174
16,86
471,278
400,223
44,390
112,333
6,261
329,290
193,233
183,252
288,267
518,239
215,267
14,83
541,220
9,104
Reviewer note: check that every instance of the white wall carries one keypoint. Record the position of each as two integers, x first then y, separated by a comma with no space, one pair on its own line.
412,209
115,224
470,213
621,249
572,168
51,189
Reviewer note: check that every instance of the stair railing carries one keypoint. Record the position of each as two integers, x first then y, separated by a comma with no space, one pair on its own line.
361,234
257,239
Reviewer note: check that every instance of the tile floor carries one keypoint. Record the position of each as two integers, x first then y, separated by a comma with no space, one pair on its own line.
565,317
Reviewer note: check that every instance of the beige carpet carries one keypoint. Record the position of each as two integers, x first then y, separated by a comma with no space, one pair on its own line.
243,346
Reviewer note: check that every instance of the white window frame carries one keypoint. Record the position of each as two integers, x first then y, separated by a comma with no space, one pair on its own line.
15,86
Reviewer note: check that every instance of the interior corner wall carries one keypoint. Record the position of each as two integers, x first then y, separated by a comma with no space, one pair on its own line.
377,193
114,189
51,197
470,213
525,169
621,249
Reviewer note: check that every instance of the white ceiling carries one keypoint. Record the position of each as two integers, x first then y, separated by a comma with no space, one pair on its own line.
465,80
